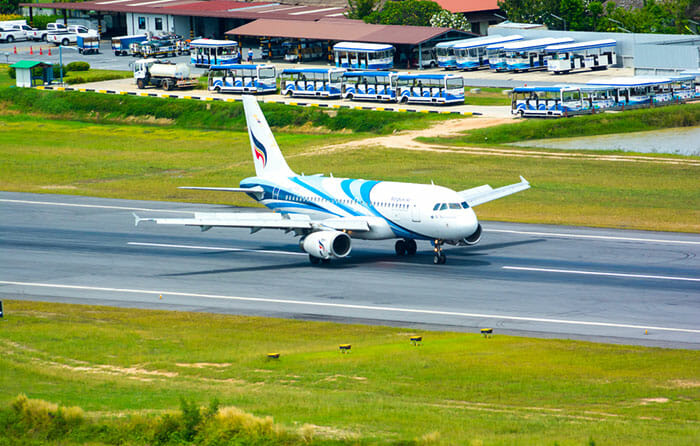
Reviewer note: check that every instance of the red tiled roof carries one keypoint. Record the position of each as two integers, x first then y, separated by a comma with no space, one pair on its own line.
346,30
455,6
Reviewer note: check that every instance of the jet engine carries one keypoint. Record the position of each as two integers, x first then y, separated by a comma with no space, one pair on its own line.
327,244
474,238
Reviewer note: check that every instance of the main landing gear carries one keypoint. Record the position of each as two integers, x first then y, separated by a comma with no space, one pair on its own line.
440,257
406,246
315,260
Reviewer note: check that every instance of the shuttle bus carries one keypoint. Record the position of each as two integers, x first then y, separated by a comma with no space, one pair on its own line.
208,52
637,91
596,55
314,82
527,55
430,88
683,86
370,86
497,56
252,79
445,54
363,56
543,102
471,54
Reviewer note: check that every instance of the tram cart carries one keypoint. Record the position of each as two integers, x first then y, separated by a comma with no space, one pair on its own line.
158,47
88,44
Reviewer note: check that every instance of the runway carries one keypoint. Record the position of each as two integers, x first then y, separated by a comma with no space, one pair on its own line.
605,285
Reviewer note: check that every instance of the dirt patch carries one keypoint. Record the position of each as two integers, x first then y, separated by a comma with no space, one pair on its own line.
645,401
684,384
202,365
58,186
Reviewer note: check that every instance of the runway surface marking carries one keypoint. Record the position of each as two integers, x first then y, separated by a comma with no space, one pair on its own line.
597,273
599,237
216,248
354,307
98,206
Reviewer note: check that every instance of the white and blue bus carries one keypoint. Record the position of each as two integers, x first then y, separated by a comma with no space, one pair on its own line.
683,86
370,85
254,79
527,55
548,102
314,82
595,54
430,88
208,52
363,56
497,56
445,53
471,54
637,91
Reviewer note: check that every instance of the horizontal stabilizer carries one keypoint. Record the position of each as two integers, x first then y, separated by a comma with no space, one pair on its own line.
483,194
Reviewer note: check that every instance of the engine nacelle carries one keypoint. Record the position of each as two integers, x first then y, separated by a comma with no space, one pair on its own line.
327,244
475,237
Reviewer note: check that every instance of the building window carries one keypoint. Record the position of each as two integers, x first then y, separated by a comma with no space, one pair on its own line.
142,22
159,24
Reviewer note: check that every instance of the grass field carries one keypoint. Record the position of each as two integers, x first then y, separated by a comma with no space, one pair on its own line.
149,162
486,96
461,388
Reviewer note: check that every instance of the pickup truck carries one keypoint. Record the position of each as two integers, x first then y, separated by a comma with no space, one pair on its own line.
70,36
41,34
15,32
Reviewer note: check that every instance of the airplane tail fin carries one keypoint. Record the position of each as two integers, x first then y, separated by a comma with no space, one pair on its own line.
267,156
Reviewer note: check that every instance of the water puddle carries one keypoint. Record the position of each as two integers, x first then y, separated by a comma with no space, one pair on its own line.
676,141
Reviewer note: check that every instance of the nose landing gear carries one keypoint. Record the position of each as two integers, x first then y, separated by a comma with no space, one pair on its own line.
440,257
405,247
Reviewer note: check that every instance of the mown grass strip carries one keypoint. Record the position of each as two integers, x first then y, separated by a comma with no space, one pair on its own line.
685,115
457,387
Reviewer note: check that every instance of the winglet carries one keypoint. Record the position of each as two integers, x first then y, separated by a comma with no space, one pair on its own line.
523,180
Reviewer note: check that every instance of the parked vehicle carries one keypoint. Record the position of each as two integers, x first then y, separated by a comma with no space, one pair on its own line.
525,55
13,33
121,44
243,78
207,52
42,34
369,86
157,47
548,101
70,35
596,55
363,56
427,58
272,48
303,51
163,74
313,82
430,88
88,44
472,54
638,91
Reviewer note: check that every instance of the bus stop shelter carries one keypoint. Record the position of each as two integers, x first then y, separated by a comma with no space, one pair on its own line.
30,73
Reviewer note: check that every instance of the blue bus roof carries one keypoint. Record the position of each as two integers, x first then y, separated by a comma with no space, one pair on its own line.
486,41
427,76
535,44
359,46
310,70
212,42
451,43
581,45
238,66
368,73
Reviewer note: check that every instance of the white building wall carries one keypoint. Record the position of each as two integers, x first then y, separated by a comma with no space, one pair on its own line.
144,23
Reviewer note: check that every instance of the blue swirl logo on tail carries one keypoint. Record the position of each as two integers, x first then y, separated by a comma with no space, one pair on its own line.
260,152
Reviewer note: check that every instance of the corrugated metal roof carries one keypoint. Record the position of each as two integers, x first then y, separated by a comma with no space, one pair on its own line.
202,8
456,6
345,30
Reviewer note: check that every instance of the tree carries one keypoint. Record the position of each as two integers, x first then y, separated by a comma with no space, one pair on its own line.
359,9
407,12
9,6
446,19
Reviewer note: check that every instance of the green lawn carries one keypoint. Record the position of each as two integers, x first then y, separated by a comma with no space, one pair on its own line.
503,390
150,162
487,96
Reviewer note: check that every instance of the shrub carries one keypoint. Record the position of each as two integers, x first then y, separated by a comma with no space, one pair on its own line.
78,66
4,17
40,21
12,73
57,71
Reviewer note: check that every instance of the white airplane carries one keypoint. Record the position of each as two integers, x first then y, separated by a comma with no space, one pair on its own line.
327,212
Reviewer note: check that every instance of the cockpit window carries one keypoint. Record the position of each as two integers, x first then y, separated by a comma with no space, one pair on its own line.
436,207
465,205
455,206
443,206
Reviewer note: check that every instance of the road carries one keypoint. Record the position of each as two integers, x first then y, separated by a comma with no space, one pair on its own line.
605,285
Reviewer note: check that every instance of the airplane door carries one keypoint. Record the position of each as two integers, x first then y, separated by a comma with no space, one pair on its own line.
275,193
415,213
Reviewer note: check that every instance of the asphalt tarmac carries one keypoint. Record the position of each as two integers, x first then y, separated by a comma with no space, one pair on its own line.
616,286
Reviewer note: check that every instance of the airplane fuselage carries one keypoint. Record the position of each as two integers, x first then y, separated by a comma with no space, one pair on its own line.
391,209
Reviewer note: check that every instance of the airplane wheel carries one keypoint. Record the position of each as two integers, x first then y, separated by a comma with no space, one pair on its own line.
314,260
440,258
400,248
411,247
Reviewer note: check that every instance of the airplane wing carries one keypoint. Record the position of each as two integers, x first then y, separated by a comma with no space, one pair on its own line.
260,220
483,194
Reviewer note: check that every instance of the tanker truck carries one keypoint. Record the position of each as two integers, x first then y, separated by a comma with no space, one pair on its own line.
163,74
